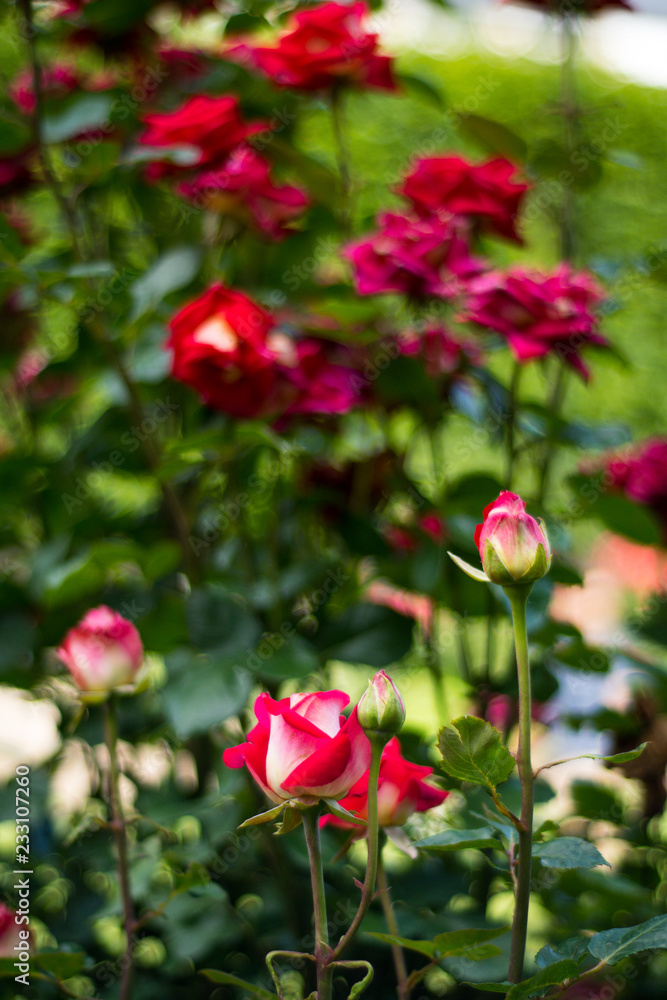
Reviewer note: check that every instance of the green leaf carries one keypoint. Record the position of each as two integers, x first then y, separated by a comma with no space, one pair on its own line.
569,852
202,692
552,975
366,633
473,750
342,813
575,948
620,758
291,820
174,269
489,987
472,944
458,840
614,945
422,88
494,136
476,574
421,947
90,111
61,964
228,980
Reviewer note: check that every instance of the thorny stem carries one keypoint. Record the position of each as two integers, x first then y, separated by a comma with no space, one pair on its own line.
392,927
368,889
518,597
151,454
120,838
311,826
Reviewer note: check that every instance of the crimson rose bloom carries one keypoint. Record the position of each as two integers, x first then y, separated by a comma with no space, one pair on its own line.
243,185
303,746
324,47
220,349
103,651
485,193
441,353
401,791
415,257
212,125
642,476
539,313
227,348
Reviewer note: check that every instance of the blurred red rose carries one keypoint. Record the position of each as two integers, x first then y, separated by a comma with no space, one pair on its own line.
103,651
242,185
441,353
220,349
402,791
211,125
227,348
642,476
539,314
58,80
415,257
323,48
486,193
303,746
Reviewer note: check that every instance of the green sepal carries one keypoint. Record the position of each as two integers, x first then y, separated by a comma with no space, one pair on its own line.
476,574
342,813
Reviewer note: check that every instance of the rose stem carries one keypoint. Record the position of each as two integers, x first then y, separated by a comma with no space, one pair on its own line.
311,826
343,161
96,328
392,927
120,837
518,597
368,890
512,400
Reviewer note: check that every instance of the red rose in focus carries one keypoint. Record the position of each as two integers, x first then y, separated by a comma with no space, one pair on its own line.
323,48
303,746
243,185
539,313
513,546
485,193
211,125
415,257
571,7
402,791
220,349
103,651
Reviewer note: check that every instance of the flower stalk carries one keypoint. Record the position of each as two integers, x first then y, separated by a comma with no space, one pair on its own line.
311,826
518,597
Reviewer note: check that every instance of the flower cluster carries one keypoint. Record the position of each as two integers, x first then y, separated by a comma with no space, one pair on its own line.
230,351
323,49
230,176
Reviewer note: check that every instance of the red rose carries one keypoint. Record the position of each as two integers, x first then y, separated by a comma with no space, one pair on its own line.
220,349
243,185
415,257
303,746
642,476
539,313
57,81
441,353
401,791
322,385
211,125
485,193
323,48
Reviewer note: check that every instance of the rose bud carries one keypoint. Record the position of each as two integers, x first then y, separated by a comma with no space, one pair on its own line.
381,709
302,747
401,792
103,652
514,546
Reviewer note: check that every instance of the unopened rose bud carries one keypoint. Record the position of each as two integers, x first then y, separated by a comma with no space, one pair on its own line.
514,546
103,652
381,711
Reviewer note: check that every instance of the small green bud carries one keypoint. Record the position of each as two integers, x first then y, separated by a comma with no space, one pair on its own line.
381,711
